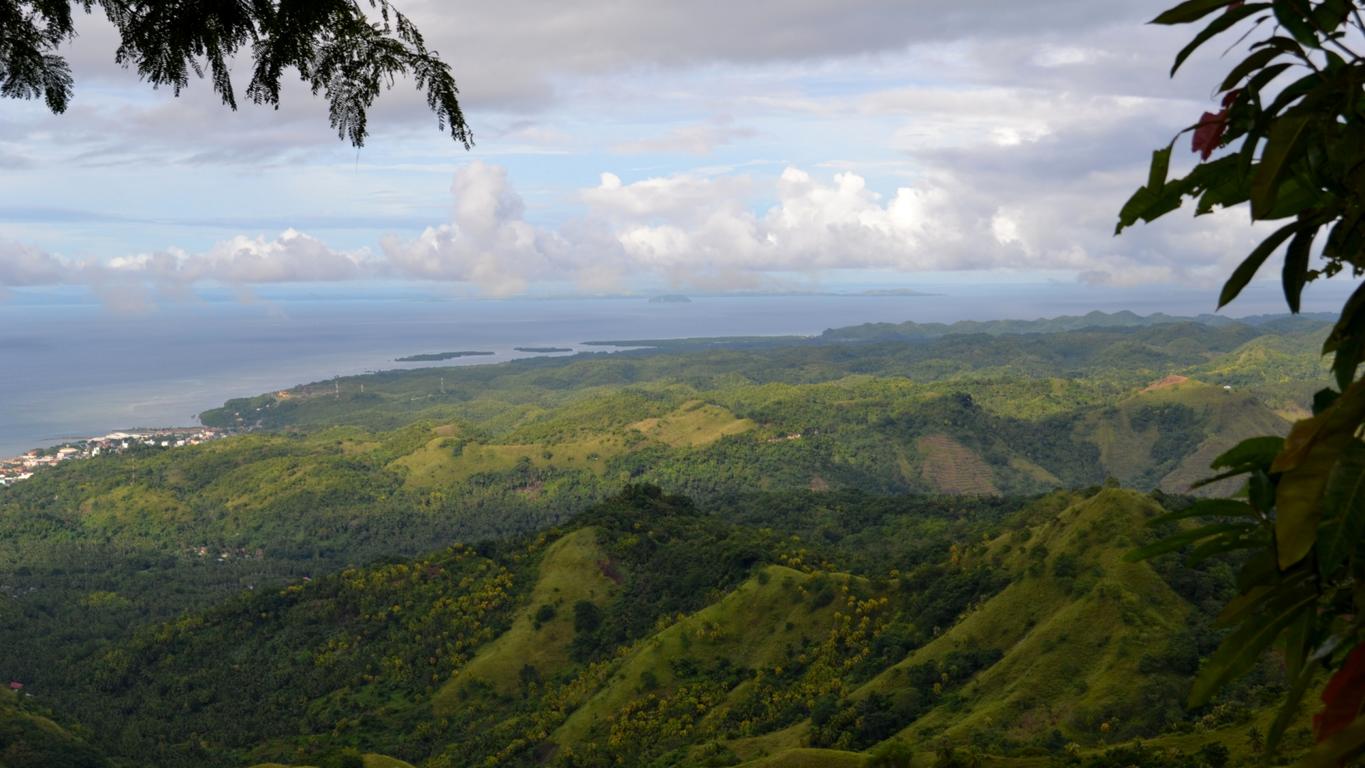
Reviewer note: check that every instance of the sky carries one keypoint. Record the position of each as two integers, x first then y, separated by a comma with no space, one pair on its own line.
639,147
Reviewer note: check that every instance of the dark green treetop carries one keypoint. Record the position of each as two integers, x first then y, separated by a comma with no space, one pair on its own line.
347,50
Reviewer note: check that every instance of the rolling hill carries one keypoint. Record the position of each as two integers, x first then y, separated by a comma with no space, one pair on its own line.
876,547
650,632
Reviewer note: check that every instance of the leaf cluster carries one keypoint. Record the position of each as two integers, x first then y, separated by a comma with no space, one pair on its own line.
1292,131
347,50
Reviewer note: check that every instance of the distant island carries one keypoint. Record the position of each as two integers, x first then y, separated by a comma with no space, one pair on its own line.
543,350
433,356
897,292
670,298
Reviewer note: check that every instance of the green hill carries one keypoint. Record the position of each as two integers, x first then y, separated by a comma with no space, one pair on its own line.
872,545
31,740
1075,591
779,636
573,570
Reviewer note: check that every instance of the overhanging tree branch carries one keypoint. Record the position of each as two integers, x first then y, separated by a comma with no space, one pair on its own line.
348,51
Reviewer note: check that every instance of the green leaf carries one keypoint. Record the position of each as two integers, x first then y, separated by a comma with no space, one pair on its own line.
1295,272
1284,139
1248,65
1249,266
1290,14
1250,538
1263,78
1217,477
1161,165
1133,209
1343,504
1346,338
1290,707
1216,27
1243,605
1254,451
1228,190
1261,490
1147,204
1298,499
1292,199
1298,642
1310,452
1208,508
1349,353
1181,540
1191,10
1323,399
1259,569
1241,649
1331,14
1293,92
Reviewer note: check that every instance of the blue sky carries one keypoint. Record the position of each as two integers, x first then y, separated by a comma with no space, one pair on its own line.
638,147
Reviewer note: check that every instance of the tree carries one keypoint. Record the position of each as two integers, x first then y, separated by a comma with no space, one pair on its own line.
893,753
1288,141
348,50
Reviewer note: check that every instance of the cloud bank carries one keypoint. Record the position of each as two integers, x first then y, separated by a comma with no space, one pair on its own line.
966,211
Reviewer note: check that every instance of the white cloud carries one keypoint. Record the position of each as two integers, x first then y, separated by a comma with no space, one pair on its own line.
126,282
488,242
25,265
291,257
725,230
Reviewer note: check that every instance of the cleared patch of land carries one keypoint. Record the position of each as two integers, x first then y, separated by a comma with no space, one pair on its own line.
951,467
695,423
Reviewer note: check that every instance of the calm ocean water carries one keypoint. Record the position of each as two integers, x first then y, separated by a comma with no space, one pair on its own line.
73,369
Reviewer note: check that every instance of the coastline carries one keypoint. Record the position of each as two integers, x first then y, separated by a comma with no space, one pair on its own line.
15,469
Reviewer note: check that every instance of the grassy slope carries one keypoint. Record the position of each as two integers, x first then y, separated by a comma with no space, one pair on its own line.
1127,435
29,740
693,424
437,463
576,439
805,757
750,627
1104,618
371,761
1071,627
572,570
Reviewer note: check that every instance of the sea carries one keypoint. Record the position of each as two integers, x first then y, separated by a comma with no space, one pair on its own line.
70,367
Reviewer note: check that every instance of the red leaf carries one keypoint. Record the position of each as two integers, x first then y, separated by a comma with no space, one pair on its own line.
1208,135
1344,696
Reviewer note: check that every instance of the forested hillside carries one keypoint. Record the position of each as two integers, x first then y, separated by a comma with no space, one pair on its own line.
654,632
881,535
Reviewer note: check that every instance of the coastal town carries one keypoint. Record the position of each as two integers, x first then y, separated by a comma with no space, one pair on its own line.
19,468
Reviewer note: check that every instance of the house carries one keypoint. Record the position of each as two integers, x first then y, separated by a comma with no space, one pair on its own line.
15,685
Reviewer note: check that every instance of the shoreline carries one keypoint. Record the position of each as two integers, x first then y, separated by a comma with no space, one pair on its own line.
15,469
